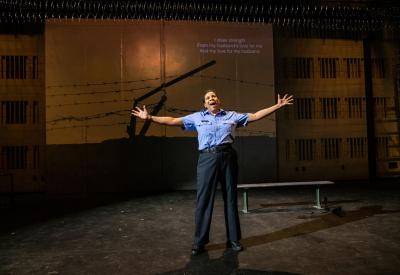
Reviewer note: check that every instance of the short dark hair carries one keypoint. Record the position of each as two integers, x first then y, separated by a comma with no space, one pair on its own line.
206,92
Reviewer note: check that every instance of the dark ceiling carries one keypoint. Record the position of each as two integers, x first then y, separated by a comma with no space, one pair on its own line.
345,16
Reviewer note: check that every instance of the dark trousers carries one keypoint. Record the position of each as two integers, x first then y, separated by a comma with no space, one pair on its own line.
213,168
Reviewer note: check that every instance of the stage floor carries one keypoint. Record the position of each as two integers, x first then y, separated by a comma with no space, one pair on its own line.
152,234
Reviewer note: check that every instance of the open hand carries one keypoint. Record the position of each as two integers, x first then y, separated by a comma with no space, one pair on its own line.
286,100
141,113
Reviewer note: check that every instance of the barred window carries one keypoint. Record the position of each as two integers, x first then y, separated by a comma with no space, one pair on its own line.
285,68
304,67
14,112
35,112
355,107
329,107
36,157
304,108
353,67
13,67
328,67
357,147
35,67
288,150
298,67
331,148
305,149
382,147
378,67
14,157
380,107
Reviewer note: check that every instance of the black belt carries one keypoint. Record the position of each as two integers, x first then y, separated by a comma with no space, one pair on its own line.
217,148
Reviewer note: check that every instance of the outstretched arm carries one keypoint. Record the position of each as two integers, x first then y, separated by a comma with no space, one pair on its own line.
286,100
166,120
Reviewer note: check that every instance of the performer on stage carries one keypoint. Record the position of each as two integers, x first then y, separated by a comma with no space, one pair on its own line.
217,161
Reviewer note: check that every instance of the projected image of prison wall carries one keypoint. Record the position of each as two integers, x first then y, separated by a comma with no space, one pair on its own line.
96,70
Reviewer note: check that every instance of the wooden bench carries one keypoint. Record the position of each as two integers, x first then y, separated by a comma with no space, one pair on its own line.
246,187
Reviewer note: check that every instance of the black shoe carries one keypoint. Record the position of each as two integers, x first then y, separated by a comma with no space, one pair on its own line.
197,249
234,245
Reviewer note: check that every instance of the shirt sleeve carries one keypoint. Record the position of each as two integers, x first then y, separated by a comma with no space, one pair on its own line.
189,123
241,119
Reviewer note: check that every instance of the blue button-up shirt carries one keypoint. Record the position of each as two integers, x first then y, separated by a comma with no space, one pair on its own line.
214,129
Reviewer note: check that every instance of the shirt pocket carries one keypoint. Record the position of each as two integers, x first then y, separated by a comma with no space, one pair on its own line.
203,123
204,126
229,122
228,125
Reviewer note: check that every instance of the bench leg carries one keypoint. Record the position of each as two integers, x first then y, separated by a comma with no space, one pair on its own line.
317,198
245,202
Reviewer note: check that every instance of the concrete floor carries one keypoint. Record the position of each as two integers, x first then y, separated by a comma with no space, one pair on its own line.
153,234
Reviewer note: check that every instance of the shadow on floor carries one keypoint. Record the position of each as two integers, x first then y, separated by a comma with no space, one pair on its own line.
320,222
226,264
305,203
295,206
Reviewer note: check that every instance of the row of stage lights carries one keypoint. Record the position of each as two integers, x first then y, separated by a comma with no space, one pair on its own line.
335,15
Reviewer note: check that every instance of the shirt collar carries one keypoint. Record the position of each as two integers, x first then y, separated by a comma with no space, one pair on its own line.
221,112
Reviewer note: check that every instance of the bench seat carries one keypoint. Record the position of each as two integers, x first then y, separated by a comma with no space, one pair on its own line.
246,187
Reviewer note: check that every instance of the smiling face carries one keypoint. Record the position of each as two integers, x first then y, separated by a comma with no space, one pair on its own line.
212,102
